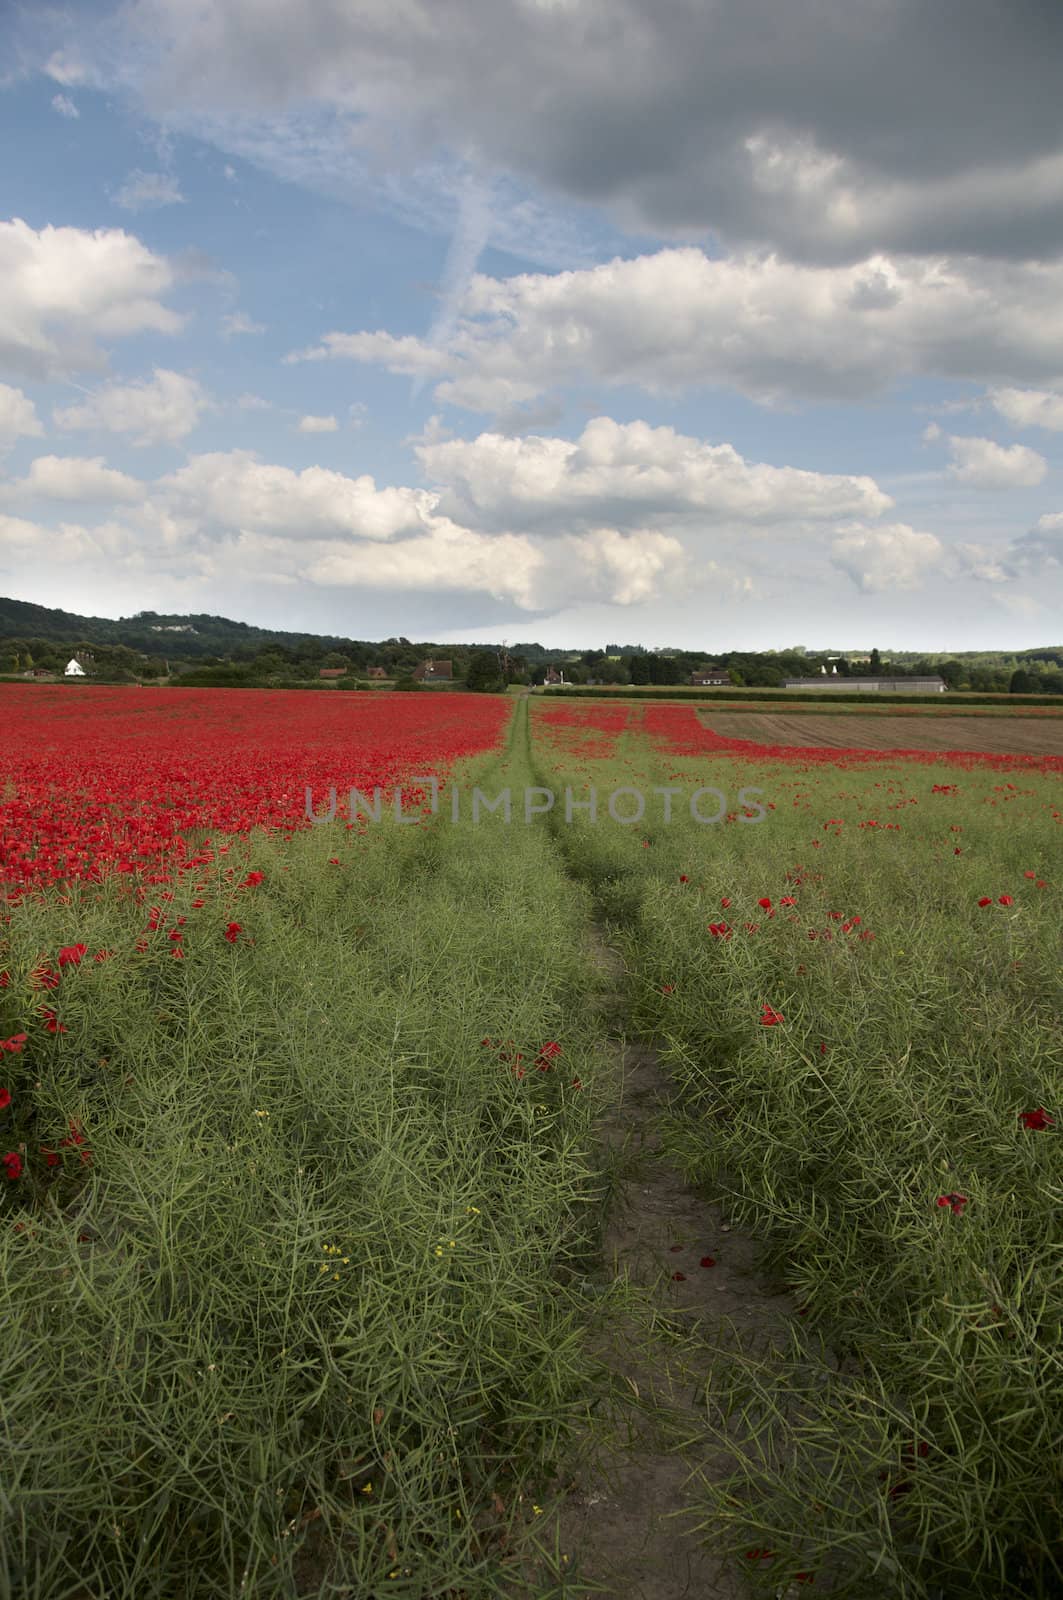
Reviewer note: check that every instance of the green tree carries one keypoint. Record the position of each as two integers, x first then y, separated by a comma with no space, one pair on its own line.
483,676
1021,683
876,663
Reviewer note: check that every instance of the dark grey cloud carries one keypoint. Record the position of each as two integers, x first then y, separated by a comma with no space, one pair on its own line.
826,129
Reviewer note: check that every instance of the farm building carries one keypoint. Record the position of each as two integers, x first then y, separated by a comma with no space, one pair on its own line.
867,685
74,669
377,673
434,672
553,679
332,672
709,677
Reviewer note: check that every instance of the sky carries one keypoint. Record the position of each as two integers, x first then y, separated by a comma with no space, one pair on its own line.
716,324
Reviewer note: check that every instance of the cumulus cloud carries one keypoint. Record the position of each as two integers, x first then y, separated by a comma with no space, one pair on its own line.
65,107
235,490
984,464
318,425
66,288
1040,548
776,331
18,416
239,322
1029,408
159,410
824,129
75,478
147,191
629,475
889,559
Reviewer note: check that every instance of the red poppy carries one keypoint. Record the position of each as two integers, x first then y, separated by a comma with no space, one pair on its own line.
51,1159
575,1084
252,880
683,878
70,955
955,1202
103,955
986,900
708,1261
1038,1119
720,930
667,988
769,1017
51,1022
232,931
725,902
1005,900
14,1044
5,1099
764,904
12,1166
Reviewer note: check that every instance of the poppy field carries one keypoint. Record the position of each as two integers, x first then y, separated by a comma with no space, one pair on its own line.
301,1196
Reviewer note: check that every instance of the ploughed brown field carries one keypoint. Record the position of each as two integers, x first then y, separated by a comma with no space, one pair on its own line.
987,735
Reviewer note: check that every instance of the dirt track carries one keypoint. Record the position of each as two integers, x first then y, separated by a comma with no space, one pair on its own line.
987,735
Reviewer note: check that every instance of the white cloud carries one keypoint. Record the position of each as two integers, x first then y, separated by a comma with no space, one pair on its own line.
160,410
1029,408
890,559
75,478
240,322
64,288
236,490
318,425
18,416
629,475
775,330
254,402
63,104
984,464
147,191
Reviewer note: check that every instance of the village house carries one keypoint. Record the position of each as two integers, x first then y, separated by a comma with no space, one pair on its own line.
377,673
709,678
434,672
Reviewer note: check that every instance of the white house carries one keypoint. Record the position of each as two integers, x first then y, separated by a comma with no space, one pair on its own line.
74,669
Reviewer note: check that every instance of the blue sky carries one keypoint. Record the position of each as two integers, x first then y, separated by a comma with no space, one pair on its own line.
563,321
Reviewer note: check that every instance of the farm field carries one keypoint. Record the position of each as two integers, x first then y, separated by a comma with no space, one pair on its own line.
301,1227
993,735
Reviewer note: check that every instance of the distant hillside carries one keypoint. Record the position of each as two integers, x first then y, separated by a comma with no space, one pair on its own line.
151,632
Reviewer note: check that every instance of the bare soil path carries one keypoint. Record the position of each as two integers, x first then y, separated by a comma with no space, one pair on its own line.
625,1524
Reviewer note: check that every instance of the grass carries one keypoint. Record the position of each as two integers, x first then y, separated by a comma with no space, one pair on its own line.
310,1321
906,1050
312,1318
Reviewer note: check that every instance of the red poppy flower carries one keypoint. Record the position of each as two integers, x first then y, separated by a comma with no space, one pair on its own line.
955,1202
764,904
683,878
724,903
51,1022
985,900
232,931
575,1084
252,880
1037,1119
51,1159
12,1166
1005,900
769,1017
667,988
103,955
5,1099
708,1261
71,954
14,1044
787,900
